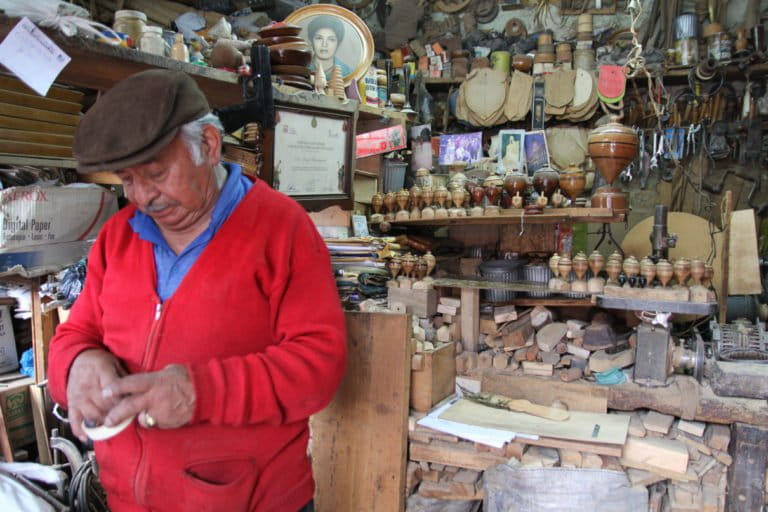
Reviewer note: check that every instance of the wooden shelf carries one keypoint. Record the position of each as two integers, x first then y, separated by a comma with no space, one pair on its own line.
443,81
368,112
512,216
551,301
37,161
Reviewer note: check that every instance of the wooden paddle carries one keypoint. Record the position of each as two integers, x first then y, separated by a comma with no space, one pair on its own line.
516,405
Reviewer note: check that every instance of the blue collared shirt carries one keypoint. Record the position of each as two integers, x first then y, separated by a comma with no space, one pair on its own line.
171,268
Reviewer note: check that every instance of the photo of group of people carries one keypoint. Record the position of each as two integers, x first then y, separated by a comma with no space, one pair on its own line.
462,147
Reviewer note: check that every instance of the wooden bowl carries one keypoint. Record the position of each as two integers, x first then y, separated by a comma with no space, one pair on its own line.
279,29
298,45
269,41
290,57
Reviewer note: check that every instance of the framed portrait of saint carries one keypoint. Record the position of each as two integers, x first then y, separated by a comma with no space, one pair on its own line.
338,37
511,155
536,151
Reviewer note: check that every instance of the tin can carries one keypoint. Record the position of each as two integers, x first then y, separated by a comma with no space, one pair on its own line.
719,47
130,23
686,51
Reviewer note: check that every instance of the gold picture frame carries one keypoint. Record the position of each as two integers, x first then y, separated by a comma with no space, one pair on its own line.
348,44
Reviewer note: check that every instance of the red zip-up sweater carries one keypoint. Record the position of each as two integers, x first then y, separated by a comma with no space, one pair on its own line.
258,323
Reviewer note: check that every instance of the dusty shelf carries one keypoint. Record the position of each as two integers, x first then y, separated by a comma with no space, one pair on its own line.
512,216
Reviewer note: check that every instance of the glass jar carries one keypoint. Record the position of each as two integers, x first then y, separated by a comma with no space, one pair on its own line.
130,23
179,50
152,41
719,46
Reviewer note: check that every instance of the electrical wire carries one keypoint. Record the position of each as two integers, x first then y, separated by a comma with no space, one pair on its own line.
85,493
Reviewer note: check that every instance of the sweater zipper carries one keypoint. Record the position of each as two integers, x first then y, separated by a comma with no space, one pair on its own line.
139,483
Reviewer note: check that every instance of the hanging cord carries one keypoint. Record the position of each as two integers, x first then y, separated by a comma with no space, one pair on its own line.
635,60
85,491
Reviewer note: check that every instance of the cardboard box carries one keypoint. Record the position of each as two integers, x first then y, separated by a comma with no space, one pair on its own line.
437,378
41,215
39,260
17,412
419,302
9,358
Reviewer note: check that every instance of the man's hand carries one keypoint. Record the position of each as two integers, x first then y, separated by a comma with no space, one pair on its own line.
167,396
91,372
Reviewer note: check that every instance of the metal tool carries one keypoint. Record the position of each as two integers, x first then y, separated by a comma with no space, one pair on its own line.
661,240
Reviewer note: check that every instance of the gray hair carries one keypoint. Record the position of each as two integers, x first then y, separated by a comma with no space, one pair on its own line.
192,134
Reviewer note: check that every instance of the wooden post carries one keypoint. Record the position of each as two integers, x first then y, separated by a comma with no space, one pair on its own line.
43,329
726,221
746,476
470,318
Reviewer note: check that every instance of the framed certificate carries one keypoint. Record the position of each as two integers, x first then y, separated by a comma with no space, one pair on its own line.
312,159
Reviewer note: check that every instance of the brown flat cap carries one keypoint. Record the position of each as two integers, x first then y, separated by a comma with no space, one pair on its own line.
136,119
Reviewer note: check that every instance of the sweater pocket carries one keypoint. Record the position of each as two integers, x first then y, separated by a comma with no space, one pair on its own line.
220,483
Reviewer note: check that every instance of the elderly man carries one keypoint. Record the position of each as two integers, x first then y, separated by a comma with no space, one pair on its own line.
209,313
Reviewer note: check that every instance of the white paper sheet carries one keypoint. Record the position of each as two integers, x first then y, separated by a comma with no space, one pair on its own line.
32,56
488,436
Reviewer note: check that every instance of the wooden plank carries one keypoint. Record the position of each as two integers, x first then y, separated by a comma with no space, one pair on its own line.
462,455
448,491
32,136
577,396
38,115
43,329
436,380
663,454
549,216
743,260
564,444
39,102
359,441
746,476
669,294
580,426
727,209
11,83
16,123
31,148
37,401
470,319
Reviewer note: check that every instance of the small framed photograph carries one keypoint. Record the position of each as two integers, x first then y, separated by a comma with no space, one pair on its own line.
421,145
461,147
511,155
536,151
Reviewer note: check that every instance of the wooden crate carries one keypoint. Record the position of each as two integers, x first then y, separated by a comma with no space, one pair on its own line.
422,303
436,379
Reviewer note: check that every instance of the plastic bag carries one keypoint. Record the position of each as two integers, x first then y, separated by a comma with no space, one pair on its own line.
68,18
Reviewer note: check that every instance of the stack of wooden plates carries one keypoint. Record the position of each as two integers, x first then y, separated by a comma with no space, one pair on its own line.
290,55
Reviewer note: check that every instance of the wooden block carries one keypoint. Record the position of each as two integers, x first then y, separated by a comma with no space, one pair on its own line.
521,355
514,450
447,310
704,465
598,448
500,361
571,374
412,477
430,476
657,422
693,453
659,454
534,368
575,329
540,316
612,463
485,359
601,361
532,353
452,469
444,334
636,427
640,478
695,428
550,335
417,362
718,437
422,303
516,334
424,466
694,443
488,326
459,347
448,319
454,330
435,380
445,491
570,458
502,314
663,294
452,302
722,457
578,351
714,475
462,455
592,461
538,457
549,357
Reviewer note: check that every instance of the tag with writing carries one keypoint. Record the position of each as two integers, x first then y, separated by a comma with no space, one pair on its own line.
32,56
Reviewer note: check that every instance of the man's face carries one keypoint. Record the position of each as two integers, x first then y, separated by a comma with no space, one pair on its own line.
325,43
171,189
